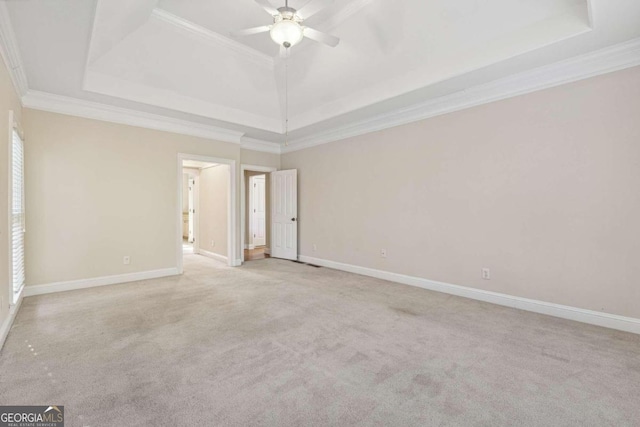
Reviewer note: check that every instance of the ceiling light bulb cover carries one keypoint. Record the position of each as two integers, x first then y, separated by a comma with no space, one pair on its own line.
286,32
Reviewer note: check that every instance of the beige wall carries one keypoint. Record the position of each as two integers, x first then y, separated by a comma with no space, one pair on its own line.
214,193
544,189
8,101
97,191
257,158
247,217
541,188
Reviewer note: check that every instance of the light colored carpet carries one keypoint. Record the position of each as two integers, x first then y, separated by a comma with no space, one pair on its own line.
279,343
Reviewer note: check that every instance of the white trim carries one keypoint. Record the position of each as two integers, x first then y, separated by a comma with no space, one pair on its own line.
117,87
252,244
627,324
94,110
243,196
72,285
607,60
10,52
260,145
254,168
249,246
9,278
218,39
215,256
196,215
13,126
5,328
14,307
231,206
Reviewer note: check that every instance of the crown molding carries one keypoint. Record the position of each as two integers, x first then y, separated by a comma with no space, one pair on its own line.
607,60
260,145
218,39
93,110
10,52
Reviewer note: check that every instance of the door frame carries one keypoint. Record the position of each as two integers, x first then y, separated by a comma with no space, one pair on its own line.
232,258
191,207
243,197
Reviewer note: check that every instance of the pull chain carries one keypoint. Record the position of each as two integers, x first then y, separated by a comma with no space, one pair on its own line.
286,99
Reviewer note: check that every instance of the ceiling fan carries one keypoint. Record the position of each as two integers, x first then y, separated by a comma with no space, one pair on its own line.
287,29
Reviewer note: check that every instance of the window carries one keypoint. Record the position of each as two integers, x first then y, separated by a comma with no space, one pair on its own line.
17,214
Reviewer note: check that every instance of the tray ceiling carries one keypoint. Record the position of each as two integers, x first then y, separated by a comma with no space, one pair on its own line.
176,57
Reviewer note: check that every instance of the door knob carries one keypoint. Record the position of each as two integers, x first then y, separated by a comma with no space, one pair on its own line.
293,219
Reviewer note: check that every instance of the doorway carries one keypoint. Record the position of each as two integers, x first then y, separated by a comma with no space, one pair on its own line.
206,208
255,209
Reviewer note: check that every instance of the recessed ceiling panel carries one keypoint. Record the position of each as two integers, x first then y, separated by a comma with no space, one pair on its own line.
182,56
167,64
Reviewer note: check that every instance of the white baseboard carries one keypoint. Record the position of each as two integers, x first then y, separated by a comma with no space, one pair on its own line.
97,281
627,324
249,246
214,256
8,322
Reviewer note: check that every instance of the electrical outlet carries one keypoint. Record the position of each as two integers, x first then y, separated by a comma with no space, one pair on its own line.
486,274
315,247
126,260
383,253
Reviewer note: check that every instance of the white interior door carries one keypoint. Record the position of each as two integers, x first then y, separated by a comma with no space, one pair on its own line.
192,185
258,212
284,214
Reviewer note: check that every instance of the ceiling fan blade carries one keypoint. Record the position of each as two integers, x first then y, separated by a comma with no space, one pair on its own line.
313,7
251,31
267,6
284,52
320,37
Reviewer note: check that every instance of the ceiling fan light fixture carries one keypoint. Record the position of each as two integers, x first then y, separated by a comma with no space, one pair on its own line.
286,33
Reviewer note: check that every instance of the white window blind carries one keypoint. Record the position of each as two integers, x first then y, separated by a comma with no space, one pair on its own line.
17,213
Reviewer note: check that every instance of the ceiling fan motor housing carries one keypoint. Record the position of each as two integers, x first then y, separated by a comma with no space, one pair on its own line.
288,13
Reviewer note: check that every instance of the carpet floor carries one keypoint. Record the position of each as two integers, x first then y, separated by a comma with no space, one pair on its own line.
277,343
